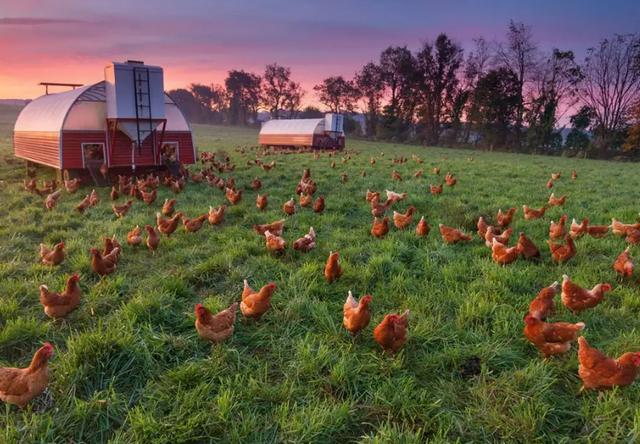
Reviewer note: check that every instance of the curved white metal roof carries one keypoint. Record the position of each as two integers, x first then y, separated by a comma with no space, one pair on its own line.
54,112
293,126
47,113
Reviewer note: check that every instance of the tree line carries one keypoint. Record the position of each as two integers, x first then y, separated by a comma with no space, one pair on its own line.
506,95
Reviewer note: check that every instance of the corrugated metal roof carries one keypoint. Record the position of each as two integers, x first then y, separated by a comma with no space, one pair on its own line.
293,126
47,113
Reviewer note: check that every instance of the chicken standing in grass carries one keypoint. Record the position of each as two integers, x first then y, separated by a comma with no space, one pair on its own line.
551,338
53,256
356,314
289,207
121,210
253,304
527,248
577,299
318,205
168,226
194,224
332,269
543,305
501,254
623,264
391,333
423,228
168,207
402,220
556,201
58,305
275,228
533,213
435,189
307,242
380,227
153,238
562,253
504,219
104,265
233,196
274,242
52,199
452,235
134,237
18,386
261,201
600,372
215,328
557,230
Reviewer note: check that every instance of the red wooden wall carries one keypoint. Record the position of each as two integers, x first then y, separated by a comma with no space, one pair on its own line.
40,147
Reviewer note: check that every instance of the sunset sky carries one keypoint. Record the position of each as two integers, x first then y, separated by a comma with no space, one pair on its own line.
200,40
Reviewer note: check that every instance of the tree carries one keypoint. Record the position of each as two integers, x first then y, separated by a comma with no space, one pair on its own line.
243,90
338,94
475,67
398,69
279,92
189,105
518,55
556,83
370,86
581,121
496,100
311,112
611,86
437,67
212,100
632,142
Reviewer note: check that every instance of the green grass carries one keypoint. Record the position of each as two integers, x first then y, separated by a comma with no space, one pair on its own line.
130,368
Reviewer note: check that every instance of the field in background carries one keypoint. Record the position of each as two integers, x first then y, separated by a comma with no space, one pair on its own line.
130,368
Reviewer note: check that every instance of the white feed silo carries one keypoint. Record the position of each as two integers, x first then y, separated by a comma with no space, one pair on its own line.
135,98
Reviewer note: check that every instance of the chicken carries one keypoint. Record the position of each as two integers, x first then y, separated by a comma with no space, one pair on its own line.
344,178
52,200
600,372
623,264
289,207
253,304
72,185
551,338
110,244
30,185
555,176
305,200
492,235
215,216
134,237
423,228
533,213
84,204
380,227
215,328
504,219
574,175
526,248
121,210
396,176
168,226
401,221
391,333
307,242
501,254
577,299
104,265
256,184
114,193
418,174
562,253
378,209
94,198
261,201
194,224
18,386
622,230
356,314
275,228
395,197
233,196
168,207
578,229
435,189
482,227
452,235
150,197
332,269
450,179
53,256
556,201
435,171
550,183
372,195
153,238
58,305
633,237
318,205
543,306
274,242
598,231
557,230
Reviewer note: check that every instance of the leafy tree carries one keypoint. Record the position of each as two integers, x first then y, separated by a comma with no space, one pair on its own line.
243,90
437,66
475,67
398,69
577,138
611,86
632,142
279,92
311,112
496,100
338,94
370,85
189,105
212,100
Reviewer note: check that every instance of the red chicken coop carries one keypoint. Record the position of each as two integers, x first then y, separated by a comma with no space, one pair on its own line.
124,123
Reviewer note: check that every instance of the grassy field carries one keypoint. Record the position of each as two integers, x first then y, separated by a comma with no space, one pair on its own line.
129,367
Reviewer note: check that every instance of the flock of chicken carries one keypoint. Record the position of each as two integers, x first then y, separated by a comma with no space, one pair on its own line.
19,386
